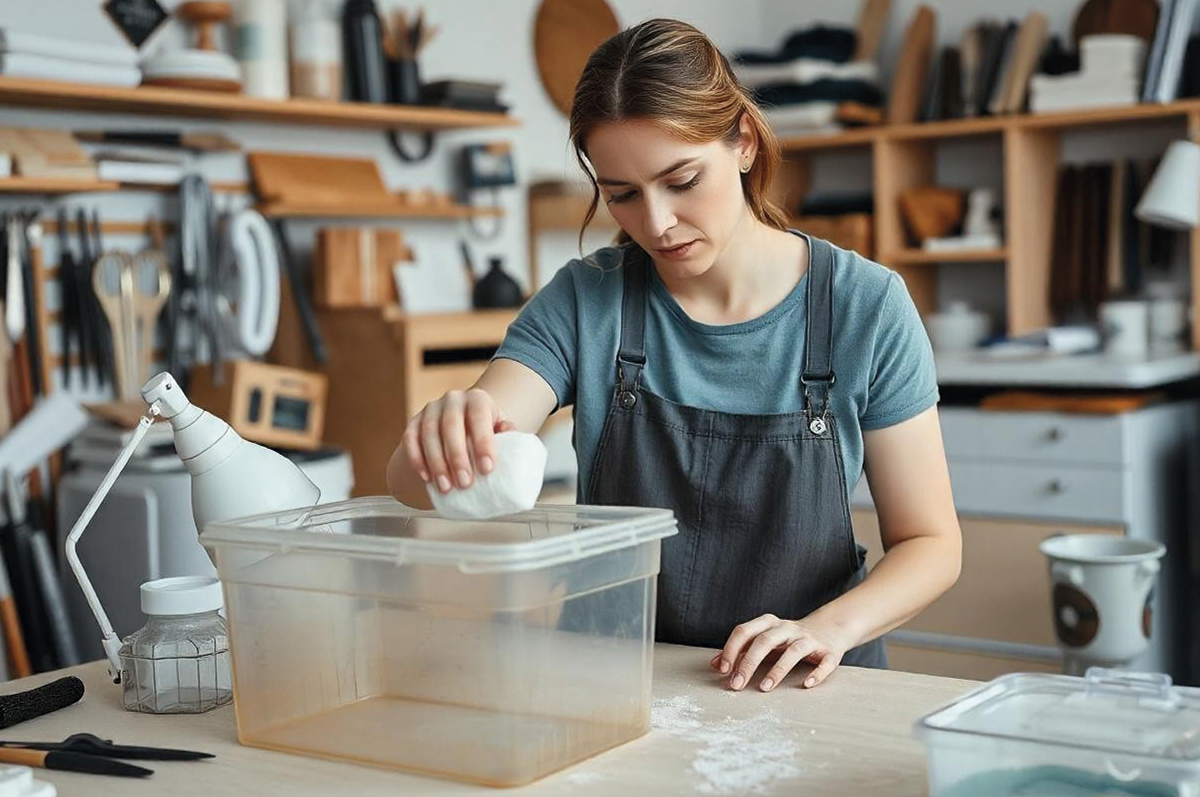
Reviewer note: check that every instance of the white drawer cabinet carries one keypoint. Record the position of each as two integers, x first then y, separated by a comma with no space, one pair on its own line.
1036,436
1019,477
1072,493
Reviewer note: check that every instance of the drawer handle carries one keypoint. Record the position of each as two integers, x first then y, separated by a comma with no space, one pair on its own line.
1054,435
1056,487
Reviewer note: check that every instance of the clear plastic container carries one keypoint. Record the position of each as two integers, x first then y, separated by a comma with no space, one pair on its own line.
493,651
178,663
1111,733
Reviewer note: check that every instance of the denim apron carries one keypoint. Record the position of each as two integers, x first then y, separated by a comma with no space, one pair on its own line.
760,500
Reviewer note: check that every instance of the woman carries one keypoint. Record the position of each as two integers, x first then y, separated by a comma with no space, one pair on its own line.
700,356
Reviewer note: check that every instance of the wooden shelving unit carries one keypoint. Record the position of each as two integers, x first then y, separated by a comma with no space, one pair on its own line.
1030,145
296,210
917,257
48,186
237,107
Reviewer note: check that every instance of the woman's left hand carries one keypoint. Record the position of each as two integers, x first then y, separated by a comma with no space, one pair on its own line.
811,640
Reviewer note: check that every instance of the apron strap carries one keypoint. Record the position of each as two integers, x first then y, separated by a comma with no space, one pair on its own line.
631,358
818,376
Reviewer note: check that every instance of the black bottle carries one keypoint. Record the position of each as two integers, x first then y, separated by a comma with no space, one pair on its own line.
497,289
362,39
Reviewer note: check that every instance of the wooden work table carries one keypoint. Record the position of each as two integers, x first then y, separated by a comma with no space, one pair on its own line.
852,735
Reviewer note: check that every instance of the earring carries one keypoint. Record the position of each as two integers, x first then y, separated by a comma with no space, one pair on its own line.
745,167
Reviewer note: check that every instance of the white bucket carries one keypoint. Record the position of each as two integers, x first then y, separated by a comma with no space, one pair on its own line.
1102,589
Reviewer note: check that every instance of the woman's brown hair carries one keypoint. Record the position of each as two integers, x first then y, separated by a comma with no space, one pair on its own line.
667,72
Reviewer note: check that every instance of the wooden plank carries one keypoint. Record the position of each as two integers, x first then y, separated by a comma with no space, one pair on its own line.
908,81
221,105
914,257
42,318
297,210
854,137
1031,159
108,228
48,185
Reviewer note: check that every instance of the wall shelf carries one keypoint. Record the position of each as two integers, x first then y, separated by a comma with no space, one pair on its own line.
221,105
301,210
915,257
48,185
961,128
1077,370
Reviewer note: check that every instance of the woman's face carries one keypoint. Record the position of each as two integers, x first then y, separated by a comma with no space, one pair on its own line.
679,201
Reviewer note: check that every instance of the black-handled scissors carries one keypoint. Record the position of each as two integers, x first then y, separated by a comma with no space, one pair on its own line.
90,744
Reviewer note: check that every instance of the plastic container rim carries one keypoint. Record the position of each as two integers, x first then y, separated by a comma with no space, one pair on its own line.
631,526
924,728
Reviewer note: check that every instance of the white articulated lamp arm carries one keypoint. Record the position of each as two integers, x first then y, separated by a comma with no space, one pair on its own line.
112,644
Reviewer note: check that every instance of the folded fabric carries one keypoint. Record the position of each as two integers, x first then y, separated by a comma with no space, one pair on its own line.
839,203
16,41
513,485
825,43
804,70
778,94
805,114
47,68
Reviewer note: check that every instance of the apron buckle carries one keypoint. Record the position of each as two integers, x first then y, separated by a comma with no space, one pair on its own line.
818,422
625,394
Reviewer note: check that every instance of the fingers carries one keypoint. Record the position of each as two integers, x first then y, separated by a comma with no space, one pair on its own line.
483,416
742,636
412,448
763,644
431,445
823,670
450,437
792,655
454,438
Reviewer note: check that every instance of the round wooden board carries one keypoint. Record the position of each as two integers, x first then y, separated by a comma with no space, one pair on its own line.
565,34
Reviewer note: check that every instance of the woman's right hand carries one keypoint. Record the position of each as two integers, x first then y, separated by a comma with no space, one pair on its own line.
442,440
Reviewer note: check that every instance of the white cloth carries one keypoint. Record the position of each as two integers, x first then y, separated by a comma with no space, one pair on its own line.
19,41
44,67
804,70
513,485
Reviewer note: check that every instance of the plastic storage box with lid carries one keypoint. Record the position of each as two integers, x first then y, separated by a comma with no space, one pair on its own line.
489,651
1110,733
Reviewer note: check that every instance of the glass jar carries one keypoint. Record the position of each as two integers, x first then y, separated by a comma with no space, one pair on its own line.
178,663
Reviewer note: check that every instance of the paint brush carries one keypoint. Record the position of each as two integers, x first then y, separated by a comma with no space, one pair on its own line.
71,762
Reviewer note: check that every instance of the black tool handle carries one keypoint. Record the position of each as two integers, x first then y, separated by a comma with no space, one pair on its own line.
300,295
44,699
94,765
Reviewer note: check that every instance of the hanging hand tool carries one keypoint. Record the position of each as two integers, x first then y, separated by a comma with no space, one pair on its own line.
31,239
90,310
253,325
69,325
132,290
308,317
106,340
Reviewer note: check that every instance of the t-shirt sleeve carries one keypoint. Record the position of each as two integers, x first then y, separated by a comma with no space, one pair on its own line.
903,379
545,335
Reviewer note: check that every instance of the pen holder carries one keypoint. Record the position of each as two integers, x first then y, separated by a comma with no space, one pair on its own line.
405,81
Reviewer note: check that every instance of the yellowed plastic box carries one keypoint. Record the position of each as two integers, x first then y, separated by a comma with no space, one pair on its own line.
494,652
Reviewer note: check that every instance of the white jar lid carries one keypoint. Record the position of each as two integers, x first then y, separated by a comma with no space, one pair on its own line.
17,781
181,595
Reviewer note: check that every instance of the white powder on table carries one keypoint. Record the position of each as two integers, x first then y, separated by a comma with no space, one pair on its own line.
735,756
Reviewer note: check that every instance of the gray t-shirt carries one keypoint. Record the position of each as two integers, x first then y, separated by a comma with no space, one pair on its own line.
570,331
